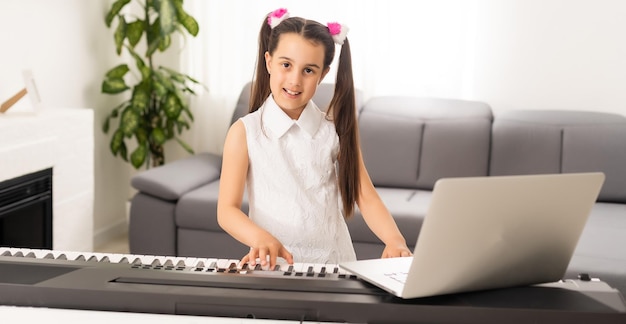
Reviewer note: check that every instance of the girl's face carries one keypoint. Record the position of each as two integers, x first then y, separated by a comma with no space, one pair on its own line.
296,68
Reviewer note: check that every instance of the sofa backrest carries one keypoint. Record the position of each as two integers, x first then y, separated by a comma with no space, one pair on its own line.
322,98
545,141
411,142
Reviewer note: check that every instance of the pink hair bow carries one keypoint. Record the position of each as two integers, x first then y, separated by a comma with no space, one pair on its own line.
338,32
277,16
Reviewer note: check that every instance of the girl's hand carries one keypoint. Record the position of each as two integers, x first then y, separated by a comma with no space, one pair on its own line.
267,246
396,251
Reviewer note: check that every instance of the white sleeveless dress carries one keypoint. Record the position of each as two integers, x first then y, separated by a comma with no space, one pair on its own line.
292,183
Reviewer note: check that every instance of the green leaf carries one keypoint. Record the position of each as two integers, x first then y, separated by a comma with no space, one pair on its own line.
120,34
164,80
181,98
129,122
138,157
165,42
189,114
141,135
167,15
106,124
159,88
134,31
181,124
188,89
141,65
117,141
124,152
172,106
185,19
115,9
141,98
158,136
114,85
153,46
169,126
118,71
174,75
185,146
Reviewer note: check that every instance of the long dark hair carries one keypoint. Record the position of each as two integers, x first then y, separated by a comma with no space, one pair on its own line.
342,107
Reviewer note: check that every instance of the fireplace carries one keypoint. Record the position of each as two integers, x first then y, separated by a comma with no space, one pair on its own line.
26,211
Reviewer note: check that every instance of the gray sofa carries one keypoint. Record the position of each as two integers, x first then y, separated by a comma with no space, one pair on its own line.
408,143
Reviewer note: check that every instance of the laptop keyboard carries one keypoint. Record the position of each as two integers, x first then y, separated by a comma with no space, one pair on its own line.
398,276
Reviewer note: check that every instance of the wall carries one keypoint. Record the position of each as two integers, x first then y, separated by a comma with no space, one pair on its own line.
555,54
68,48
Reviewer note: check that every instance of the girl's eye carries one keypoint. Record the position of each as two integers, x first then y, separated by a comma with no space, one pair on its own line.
308,71
286,65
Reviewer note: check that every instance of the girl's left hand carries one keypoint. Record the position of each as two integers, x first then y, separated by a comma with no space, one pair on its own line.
396,251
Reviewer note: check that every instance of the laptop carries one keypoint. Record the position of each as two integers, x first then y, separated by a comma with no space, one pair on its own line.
490,232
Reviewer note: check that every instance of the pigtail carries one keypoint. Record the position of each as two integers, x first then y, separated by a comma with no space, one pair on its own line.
261,81
343,108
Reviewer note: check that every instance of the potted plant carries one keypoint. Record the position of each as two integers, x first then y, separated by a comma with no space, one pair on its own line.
157,110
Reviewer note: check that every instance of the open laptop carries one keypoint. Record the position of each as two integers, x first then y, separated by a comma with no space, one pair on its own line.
490,232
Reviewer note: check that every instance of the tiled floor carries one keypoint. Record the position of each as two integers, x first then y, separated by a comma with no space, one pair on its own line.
118,244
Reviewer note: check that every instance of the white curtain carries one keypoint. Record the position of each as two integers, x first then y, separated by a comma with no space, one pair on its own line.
421,48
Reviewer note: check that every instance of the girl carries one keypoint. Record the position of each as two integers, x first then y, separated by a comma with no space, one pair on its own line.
302,168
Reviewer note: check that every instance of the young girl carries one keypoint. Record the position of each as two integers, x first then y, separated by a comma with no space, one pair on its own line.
302,168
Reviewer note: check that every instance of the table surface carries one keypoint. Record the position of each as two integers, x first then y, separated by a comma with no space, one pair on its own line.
65,316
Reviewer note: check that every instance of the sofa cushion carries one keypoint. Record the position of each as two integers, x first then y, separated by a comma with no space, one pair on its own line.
168,183
206,244
603,235
411,142
598,147
408,208
544,141
198,208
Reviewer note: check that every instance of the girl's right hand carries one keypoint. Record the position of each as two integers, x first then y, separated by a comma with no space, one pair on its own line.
264,248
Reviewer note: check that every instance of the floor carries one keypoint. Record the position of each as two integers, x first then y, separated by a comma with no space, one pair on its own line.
118,244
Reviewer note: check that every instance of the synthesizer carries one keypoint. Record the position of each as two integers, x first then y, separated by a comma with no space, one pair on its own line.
305,292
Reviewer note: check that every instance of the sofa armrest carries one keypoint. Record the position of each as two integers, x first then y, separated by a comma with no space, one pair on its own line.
172,180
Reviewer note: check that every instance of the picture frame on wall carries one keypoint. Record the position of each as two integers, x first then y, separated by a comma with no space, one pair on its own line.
30,89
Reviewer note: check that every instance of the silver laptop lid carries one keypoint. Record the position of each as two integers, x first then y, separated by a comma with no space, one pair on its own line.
500,231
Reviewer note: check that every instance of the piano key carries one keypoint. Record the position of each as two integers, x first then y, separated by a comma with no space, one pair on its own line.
223,263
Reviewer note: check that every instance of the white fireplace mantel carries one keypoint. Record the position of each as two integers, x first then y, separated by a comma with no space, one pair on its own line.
63,140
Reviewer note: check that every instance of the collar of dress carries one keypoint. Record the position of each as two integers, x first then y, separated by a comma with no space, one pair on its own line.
276,120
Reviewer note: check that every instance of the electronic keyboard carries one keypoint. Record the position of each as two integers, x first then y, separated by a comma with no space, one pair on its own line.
305,292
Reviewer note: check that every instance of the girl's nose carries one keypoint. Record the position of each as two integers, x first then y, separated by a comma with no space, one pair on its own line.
294,79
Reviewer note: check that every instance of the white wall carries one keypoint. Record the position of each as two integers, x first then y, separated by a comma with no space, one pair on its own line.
531,54
67,46
551,54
